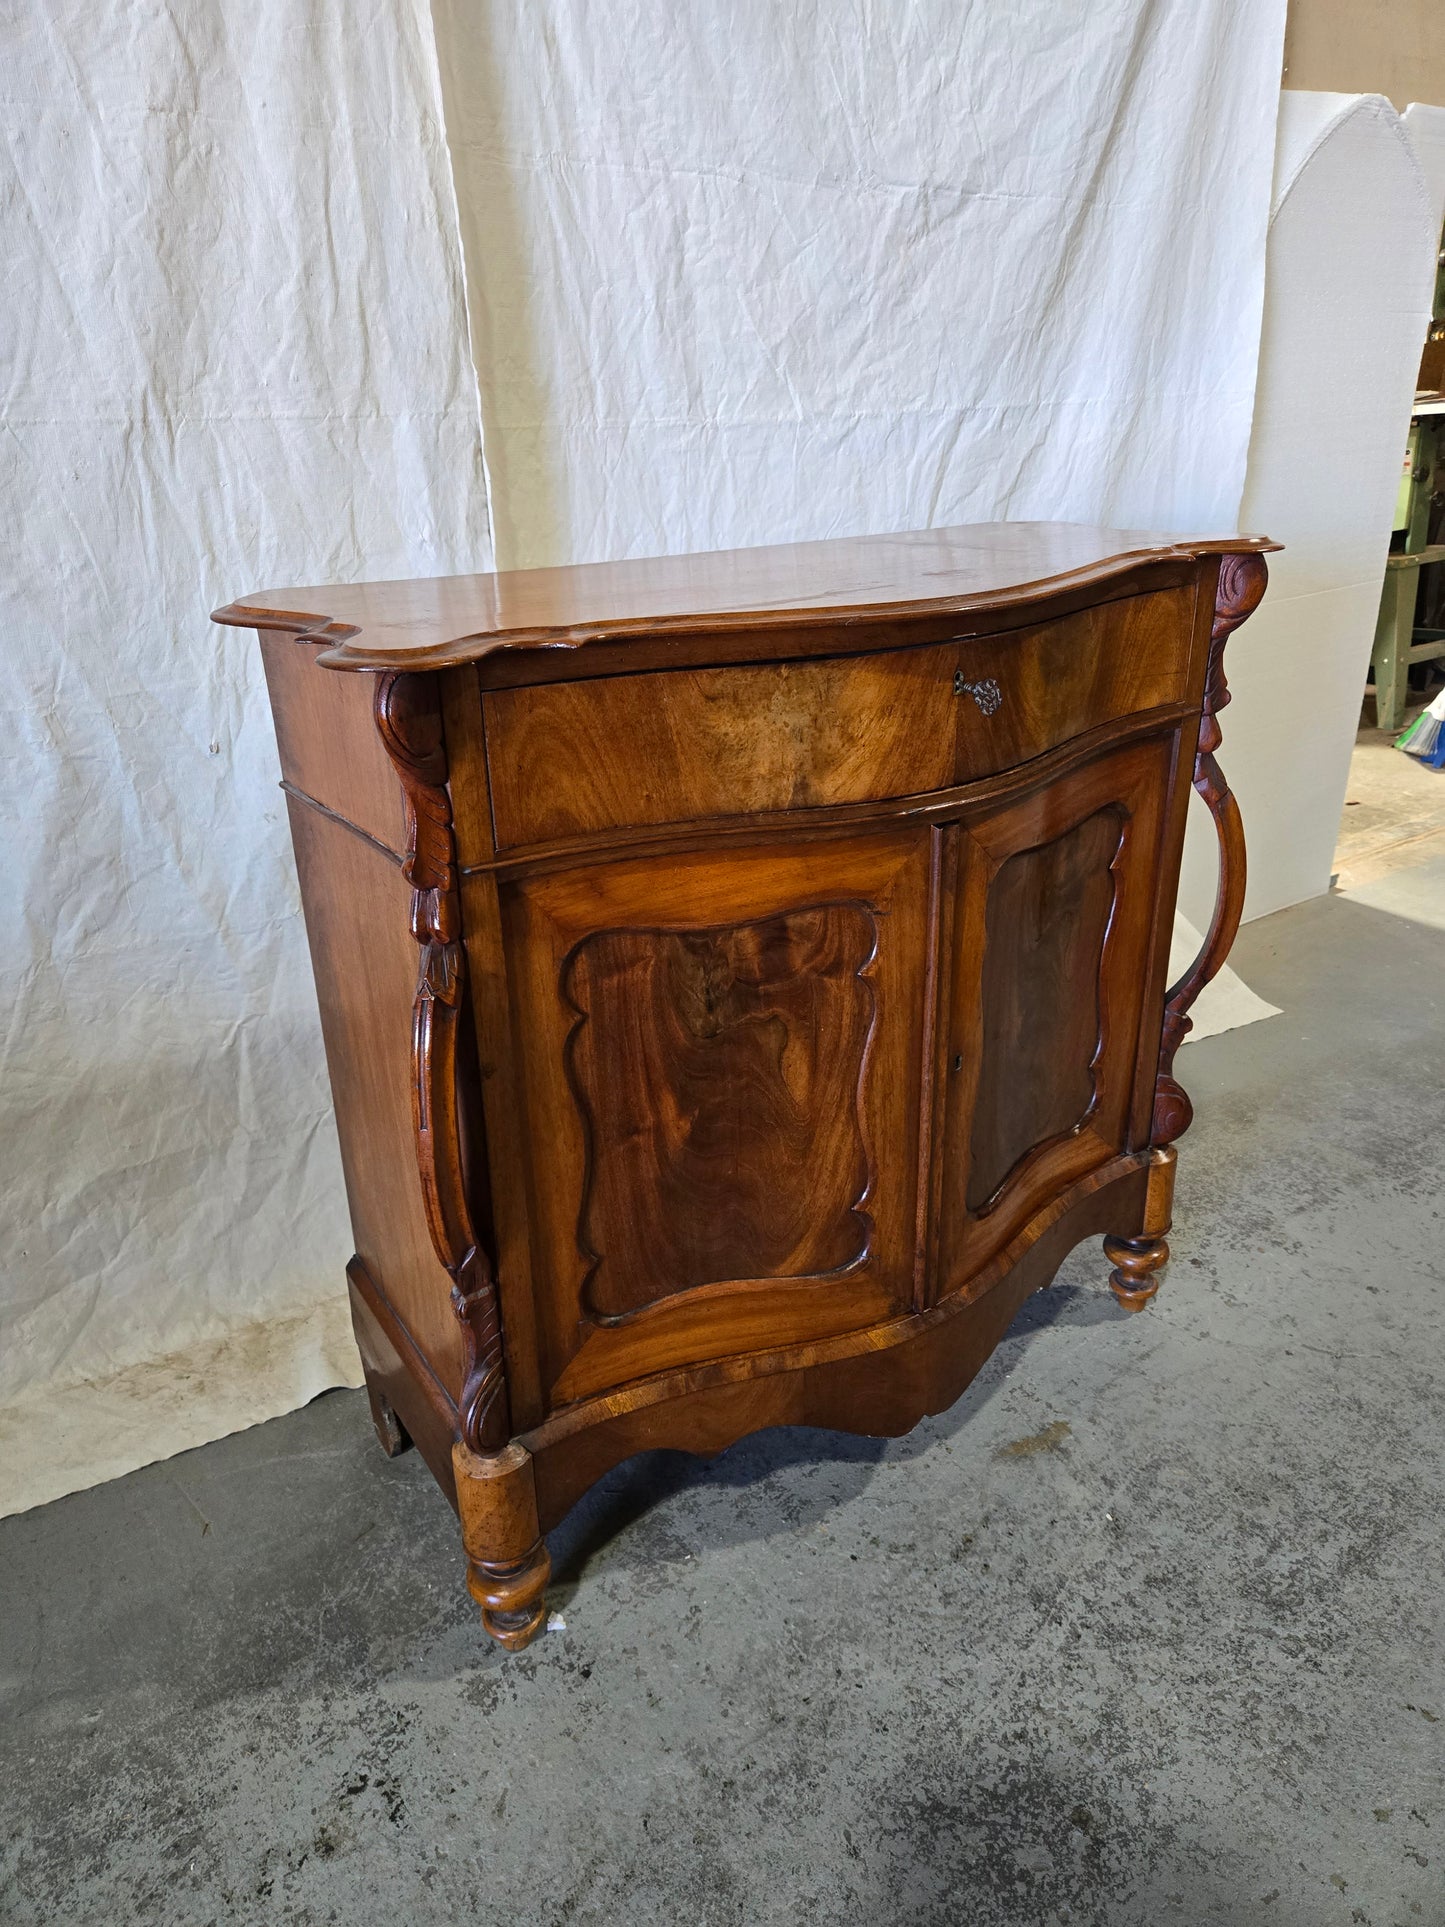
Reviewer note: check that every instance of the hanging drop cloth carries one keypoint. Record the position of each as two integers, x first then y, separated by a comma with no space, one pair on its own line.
234,352
759,274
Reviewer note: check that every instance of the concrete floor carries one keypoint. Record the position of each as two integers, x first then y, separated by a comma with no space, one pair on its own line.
1147,1629
1394,814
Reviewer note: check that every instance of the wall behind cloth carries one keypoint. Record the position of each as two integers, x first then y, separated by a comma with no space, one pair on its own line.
1390,47
732,273
235,353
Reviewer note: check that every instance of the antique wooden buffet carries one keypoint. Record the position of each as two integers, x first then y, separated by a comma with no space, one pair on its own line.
783,989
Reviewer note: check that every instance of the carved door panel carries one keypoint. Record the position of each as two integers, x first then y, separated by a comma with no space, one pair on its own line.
721,1058
1055,950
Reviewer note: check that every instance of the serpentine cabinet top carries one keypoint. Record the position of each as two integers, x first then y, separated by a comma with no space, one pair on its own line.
796,599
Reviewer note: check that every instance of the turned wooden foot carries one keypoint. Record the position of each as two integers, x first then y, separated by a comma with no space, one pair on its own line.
508,1564
1137,1260
392,1434
512,1598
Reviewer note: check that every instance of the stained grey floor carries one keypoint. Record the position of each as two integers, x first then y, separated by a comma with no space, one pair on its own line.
1147,1629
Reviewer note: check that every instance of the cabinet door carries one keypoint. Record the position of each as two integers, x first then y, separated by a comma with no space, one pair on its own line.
721,1057
1057,967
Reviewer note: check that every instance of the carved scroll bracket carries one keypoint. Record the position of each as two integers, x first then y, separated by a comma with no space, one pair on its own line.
1242,580
408,720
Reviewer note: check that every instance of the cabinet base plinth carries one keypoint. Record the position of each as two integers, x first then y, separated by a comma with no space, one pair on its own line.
880,1382
391,1434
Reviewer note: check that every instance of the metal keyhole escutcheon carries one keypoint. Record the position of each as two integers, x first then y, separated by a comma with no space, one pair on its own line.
985,693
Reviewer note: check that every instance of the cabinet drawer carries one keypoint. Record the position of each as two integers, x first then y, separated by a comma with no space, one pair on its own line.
1024,693
612,752
573,758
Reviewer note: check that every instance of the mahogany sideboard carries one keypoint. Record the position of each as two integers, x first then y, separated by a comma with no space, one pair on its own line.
743,976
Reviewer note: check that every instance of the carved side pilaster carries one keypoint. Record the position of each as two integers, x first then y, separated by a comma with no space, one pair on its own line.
1242,580
408,720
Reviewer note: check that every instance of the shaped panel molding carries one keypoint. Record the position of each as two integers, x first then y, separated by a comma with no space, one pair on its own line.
1055,922
720,1075
1049,913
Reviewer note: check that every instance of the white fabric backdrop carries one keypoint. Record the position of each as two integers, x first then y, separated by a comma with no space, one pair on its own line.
234,351
736,273
749,273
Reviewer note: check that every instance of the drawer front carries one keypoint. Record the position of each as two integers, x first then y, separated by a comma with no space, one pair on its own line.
1023,694
614,752
608,753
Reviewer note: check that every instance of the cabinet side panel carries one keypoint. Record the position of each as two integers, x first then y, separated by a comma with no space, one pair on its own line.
1171,859
328,741
365,965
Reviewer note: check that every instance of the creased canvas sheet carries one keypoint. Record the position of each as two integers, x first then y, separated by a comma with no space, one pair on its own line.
234,352
746,273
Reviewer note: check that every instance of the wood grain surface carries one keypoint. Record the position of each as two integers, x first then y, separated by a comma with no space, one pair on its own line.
571,758
656,605
1044,1013
364,962
1062,678
880,1381
764,969
568,758
743,977
330,753
1049,910
719,1075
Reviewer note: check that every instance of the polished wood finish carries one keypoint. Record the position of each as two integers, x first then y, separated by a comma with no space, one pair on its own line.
409,723
364,963
719,742
1049,911
331,756
409,1403
880,1382
742,977
508,1564
692,1035
686,1187
1241,585
1138,1261
1058,893
736,605
1027,692
800,735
